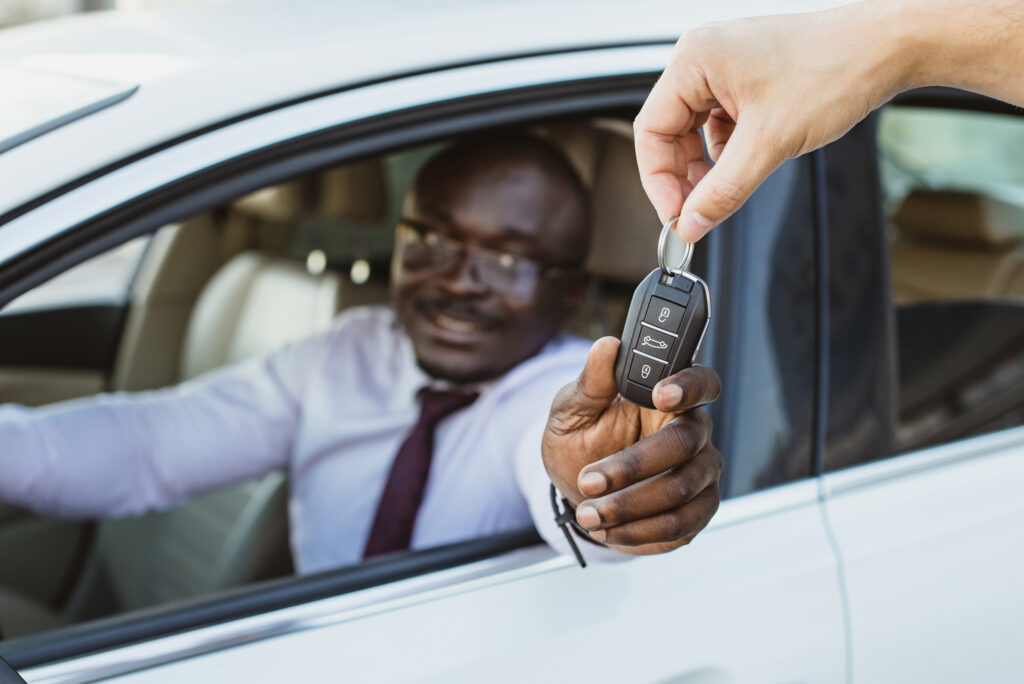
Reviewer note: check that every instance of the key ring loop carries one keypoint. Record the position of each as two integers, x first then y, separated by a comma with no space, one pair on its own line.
663,244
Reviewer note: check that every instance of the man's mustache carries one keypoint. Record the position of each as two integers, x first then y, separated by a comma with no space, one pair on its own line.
459,309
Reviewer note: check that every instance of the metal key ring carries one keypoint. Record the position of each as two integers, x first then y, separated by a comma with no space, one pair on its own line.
663,243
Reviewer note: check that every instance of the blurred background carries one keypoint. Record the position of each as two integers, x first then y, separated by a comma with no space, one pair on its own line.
14,12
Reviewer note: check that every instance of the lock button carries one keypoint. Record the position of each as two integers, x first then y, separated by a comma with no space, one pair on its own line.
645,371
664,314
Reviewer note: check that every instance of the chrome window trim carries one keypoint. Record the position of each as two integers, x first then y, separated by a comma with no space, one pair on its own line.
128,182
922,460
515,565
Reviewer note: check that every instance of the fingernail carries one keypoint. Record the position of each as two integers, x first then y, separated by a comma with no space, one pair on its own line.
592,483
692,224
598,535
670,394
588,516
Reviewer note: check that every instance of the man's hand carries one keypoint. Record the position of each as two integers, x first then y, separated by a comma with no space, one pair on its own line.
643,481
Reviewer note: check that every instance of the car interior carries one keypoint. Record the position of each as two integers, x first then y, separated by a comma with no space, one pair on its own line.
955,216
234,282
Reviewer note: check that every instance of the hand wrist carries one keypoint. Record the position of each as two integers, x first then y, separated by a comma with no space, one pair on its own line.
901,51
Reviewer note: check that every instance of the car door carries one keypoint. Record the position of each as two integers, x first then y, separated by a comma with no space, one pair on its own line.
924,435
56,343
756,597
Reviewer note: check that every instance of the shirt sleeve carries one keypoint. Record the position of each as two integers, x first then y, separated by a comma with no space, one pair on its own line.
535,486
123,454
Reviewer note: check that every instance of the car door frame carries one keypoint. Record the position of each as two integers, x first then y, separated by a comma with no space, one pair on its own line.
876,497
82,223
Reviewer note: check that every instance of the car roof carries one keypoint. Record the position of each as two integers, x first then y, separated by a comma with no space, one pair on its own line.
143,78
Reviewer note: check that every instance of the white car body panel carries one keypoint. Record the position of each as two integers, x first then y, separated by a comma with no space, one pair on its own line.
929,544
223,144
755,598
932,547
200,66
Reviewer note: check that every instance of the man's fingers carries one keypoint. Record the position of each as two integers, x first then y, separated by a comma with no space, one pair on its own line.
673,444
682,523
656,495
591,393
746,159
687,389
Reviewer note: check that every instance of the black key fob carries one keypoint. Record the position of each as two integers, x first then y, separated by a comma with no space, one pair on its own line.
666,322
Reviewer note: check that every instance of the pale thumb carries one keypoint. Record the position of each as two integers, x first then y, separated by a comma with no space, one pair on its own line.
745,161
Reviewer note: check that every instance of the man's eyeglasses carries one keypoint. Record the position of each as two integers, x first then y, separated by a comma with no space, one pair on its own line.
421,248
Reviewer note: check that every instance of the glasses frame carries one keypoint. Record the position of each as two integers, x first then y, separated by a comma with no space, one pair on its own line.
468,249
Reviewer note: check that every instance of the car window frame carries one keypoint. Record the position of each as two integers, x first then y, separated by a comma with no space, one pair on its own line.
235,176
843,425
215,183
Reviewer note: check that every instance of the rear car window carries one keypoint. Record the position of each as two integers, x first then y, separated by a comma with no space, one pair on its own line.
953,183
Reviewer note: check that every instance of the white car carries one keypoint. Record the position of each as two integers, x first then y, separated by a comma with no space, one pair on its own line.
167,179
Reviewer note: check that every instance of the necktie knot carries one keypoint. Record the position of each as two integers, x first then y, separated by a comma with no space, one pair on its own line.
435,405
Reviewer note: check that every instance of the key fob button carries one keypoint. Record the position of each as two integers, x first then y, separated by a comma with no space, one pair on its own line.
666,321
654,342
664,314
644,371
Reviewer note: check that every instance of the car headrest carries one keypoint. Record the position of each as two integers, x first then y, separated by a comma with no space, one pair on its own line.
957,216
252,306
355,192
283,203
625,225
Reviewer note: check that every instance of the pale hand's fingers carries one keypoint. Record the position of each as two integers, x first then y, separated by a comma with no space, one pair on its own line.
667,120
678,441
688,389
746,160
667,530
656,495
717,131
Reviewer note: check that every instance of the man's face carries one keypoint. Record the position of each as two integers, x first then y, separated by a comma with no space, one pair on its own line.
478,312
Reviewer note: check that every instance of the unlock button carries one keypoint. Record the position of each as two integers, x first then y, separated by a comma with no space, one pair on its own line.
664,314
645,371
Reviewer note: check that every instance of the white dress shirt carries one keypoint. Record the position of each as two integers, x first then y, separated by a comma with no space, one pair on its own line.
333,409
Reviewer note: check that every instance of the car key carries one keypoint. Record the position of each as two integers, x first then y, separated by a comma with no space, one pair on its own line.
667,319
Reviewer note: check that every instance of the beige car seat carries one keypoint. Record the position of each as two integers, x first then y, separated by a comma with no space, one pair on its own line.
252,306
625,226
956,245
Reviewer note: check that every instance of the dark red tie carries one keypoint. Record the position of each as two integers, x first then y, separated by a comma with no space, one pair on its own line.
403,493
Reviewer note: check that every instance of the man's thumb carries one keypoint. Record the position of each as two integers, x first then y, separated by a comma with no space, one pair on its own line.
745,161
595,388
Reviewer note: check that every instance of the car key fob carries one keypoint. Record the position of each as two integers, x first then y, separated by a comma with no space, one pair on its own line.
667,319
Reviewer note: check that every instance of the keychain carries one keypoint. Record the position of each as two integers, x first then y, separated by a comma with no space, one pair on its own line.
667,319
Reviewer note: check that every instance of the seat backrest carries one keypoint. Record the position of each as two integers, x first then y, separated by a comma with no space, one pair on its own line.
253,305
939,233
625,226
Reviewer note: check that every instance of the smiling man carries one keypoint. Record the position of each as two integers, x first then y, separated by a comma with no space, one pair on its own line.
420,424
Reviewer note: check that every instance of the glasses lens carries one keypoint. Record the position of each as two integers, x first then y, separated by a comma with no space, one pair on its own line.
503,272
425,250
